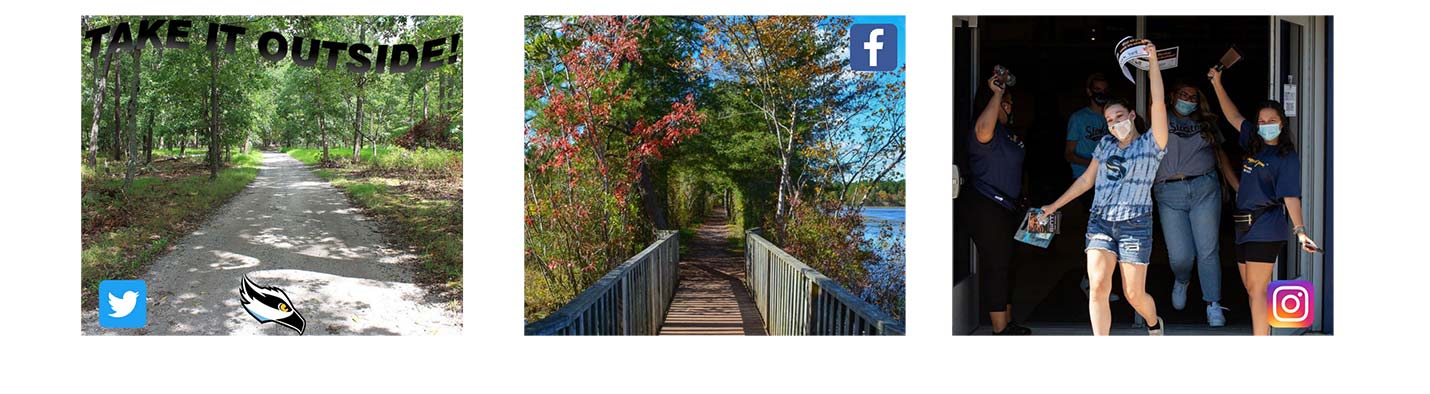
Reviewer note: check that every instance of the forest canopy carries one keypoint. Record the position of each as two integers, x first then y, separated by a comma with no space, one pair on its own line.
274,46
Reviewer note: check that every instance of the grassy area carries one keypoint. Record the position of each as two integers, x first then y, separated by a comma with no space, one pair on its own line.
165,153
419,192
123,231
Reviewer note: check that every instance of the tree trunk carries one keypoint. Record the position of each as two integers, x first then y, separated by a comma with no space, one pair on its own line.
424,98
132,116
357,119
215,142
651,198
357,123
117,137
149,138
98,108
322,134
784,182
150,108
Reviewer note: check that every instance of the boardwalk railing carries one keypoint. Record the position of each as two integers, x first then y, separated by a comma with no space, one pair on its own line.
795,299
630,300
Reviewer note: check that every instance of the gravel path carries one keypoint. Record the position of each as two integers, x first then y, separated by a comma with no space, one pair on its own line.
292,230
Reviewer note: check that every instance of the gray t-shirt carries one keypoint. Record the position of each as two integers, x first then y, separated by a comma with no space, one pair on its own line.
1188,153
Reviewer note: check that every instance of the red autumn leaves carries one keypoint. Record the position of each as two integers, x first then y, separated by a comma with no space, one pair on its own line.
583,136
581,107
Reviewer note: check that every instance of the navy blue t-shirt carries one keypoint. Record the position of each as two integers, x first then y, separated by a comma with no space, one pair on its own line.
1267,178
997,165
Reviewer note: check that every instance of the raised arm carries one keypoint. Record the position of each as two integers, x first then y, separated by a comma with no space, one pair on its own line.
1228,109
1159,98
988,119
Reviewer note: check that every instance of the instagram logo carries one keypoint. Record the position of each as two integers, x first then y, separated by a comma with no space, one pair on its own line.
1291,303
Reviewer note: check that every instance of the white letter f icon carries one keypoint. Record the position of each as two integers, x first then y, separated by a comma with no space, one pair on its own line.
873,45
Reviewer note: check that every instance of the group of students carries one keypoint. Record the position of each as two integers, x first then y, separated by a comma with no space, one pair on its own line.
1176,162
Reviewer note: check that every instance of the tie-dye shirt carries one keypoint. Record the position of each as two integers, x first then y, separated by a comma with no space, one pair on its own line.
1123,189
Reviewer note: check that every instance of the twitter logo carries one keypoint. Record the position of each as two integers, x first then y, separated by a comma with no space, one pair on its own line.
122,304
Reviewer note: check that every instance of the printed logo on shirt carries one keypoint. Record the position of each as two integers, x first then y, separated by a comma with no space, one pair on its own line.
1015,140
1095,133
1184,129
1251,164
1115,168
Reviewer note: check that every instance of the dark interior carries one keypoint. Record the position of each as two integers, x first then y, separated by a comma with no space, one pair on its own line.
1051,58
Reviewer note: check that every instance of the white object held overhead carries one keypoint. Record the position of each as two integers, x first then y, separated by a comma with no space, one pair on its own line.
1134,51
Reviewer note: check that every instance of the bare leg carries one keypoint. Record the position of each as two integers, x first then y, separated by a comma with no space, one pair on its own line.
1257,276
1100,266
1134,282
1241,267
1000,320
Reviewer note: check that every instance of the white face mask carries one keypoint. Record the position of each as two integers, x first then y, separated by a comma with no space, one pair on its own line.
1121,129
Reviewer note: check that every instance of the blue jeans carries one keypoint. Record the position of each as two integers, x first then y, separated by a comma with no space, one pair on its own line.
1190,211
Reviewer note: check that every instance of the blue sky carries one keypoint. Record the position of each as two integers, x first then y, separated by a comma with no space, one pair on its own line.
897,21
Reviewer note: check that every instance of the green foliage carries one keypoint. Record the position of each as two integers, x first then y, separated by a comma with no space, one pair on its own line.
790,141
123,231
429,221
264,105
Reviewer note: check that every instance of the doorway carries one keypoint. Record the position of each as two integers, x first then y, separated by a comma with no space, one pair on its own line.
1052,57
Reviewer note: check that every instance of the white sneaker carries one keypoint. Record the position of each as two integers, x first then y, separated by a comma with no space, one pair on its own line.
1086,292
1215,317
1161,326
1179,294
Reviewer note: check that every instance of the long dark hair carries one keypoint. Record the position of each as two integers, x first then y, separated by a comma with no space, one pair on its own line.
1284,142
1203,115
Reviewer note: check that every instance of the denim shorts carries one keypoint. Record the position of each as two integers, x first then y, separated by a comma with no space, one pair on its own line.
1130,240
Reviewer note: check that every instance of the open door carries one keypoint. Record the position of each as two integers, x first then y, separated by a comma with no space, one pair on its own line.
1298,78
965,79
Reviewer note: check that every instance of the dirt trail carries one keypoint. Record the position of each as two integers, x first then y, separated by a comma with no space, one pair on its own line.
292,230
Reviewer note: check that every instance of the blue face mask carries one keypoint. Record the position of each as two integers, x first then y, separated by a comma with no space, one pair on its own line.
1185,107
1269,131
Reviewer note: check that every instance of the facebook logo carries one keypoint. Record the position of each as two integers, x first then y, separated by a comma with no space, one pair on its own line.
873,47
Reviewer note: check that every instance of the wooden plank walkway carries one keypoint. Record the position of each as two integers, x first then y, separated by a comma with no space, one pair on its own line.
711,298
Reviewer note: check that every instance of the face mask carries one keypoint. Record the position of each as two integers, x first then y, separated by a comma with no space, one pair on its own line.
1269,131
1121,129
1100,98
1185,107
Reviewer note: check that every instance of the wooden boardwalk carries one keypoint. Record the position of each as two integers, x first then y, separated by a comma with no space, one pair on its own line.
711,298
